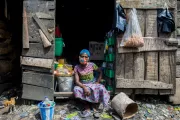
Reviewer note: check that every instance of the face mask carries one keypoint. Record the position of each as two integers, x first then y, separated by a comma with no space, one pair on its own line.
83,60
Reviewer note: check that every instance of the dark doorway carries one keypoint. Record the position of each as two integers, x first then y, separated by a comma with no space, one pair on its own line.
81,22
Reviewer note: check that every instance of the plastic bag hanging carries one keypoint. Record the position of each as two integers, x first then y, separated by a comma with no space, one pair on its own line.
132,36
165,20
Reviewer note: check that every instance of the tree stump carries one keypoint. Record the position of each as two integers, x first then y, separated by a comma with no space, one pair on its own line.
124,106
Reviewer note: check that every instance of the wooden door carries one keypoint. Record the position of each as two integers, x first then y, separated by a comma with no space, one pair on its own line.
152,68
37,58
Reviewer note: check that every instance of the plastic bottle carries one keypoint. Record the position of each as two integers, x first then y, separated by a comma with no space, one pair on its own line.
46,102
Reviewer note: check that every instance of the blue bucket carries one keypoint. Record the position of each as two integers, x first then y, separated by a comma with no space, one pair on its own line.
47,113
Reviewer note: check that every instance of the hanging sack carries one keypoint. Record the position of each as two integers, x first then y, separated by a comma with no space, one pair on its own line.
132,36
165,21
120,18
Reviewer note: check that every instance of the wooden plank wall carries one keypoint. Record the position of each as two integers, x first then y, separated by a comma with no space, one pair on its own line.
156,60
178,37
37,61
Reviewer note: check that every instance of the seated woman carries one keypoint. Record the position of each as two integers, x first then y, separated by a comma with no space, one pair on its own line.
88,88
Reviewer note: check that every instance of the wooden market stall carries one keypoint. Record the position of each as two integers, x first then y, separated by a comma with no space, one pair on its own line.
152,68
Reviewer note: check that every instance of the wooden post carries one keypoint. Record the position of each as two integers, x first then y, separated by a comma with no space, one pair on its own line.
25,30
124,106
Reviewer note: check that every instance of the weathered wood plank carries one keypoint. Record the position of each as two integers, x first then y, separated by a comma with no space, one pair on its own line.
150,44
149,84
36,69
151,66
42,15
178,71
38,79
43,28
120,65
147,91
31,92
129,66
146,4
178,30
25,30
124,90
37,50
178,5
151,23
38,62
39,6
151,69
63,94
178,56
167,69
178,19
139,66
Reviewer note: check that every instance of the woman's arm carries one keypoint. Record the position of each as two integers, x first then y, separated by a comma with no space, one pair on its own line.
100,75
86,91
77,81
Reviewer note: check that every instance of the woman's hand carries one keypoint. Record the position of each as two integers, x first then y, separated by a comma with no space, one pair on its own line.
86,91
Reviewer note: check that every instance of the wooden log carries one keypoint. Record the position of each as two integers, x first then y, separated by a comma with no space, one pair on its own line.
25,30
120,65
149,84
124,106
45,41
144,4
37,50
31,92
38,79
167,69
150,44
129,66
43,28
38,62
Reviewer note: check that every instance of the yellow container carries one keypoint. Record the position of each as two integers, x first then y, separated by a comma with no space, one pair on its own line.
61,61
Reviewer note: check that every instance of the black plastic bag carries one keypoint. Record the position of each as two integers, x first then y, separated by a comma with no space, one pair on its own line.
165,21
120,19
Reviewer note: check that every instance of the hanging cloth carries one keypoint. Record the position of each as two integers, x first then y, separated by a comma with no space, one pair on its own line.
165,21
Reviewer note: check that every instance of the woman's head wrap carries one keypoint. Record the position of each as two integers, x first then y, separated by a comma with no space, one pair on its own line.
85,51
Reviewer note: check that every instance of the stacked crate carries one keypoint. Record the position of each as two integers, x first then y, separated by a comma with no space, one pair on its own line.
109,58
